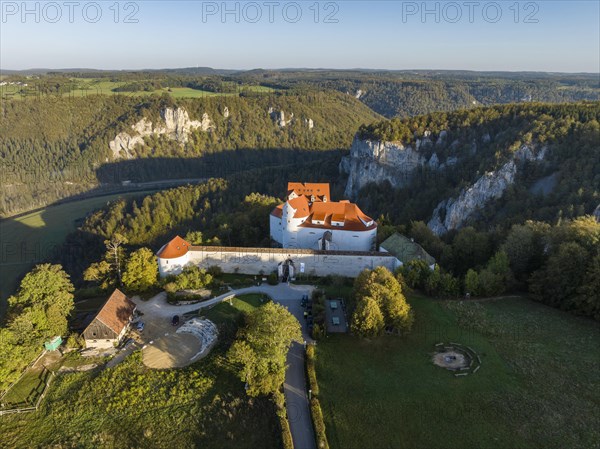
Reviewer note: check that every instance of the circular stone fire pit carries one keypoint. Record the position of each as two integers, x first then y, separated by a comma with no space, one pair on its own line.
456,357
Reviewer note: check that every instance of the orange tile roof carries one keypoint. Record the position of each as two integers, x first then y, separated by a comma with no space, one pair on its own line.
174,249
301,207
116,311
310,188
354,219
278,211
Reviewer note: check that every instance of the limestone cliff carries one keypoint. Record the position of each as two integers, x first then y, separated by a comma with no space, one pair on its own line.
454,212
176,126
375,161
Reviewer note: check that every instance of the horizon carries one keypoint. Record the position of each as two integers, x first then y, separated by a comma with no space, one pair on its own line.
282,69
542,37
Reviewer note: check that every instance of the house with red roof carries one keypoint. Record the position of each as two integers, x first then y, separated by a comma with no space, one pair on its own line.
111,323
310,220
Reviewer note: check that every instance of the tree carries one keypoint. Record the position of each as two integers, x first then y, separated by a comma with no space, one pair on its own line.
42,304
558,280
524,246
416,273
194,237
141,270
367,320
497,277
261,348
381,286
472,282
115,253
100,273
588,301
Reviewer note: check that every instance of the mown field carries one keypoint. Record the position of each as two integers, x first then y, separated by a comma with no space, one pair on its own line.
204,405
538,385
34,237
94,86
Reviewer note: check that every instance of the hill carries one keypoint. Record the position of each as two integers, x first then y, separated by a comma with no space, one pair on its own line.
484,167
55,146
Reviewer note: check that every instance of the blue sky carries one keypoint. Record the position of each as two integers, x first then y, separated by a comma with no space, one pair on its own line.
504,35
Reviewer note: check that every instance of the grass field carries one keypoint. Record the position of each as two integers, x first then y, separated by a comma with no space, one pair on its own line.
26,391
538,385
34,237
95,86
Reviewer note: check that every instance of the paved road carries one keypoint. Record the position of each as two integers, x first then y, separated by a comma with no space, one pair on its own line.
295,380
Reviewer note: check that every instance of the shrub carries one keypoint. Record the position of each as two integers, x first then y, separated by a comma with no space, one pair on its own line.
319,424
318,331
214,271
74,341
310,370
272,279
286,434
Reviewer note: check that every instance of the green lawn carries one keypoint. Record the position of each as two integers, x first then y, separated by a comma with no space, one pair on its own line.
537,387
34,237
92,86
228,315
27,390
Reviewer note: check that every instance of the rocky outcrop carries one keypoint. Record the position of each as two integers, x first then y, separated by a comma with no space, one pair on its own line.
454,212
375,161
225,112
177,126
279,117
309,123
596,213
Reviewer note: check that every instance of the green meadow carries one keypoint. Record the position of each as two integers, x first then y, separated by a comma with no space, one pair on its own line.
101,86
32,238
537,386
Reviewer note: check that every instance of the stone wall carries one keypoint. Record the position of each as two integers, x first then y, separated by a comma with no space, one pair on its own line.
266,260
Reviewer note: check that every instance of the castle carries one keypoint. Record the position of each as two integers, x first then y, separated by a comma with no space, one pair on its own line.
310,220
315,236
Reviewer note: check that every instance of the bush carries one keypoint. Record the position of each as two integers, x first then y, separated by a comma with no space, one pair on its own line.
74,341
272,279
286,434
310,370
318,331
319,424
214,271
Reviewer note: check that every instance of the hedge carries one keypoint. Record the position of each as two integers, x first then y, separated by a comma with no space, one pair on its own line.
310,370
315,407
286,434
318,424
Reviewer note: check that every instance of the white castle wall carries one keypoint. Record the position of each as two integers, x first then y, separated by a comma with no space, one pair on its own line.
276,230
266,260
340,240
173,266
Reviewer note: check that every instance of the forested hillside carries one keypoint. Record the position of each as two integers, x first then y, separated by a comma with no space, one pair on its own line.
53,147
564,183
409,93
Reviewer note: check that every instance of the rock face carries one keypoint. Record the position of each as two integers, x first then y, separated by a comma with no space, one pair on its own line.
596,213
454,212
279,117
177,126
375,161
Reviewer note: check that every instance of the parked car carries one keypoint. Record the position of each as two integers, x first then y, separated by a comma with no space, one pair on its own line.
140,326
175,320
128,343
